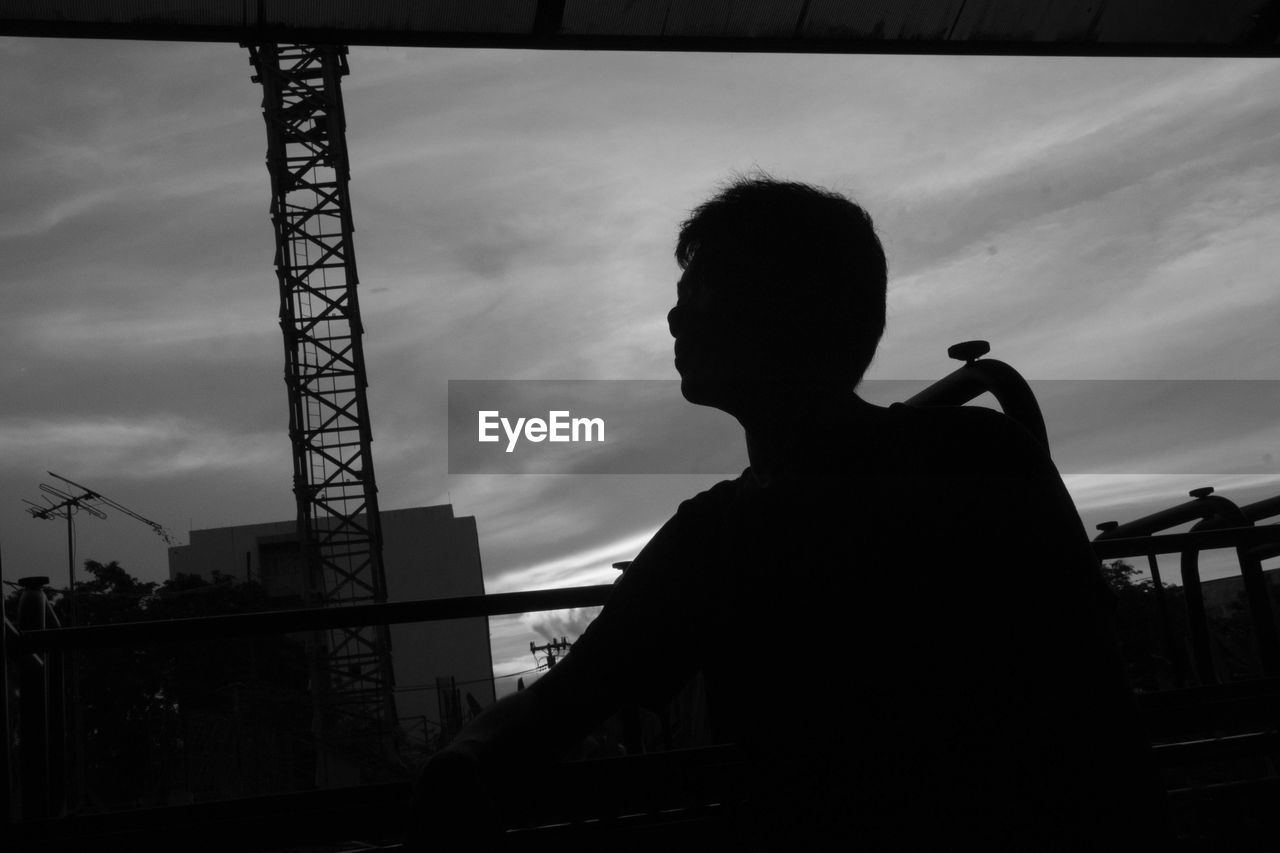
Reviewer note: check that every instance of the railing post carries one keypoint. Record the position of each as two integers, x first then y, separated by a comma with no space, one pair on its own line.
1212,512
6,759
980,375
55,663
1255,584
33,704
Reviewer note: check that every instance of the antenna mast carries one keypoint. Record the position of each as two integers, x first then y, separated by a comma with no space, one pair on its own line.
67,504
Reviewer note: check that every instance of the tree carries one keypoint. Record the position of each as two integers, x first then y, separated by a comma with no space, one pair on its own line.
1153,662
1159,662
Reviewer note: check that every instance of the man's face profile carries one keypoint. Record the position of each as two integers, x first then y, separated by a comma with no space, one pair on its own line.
726,345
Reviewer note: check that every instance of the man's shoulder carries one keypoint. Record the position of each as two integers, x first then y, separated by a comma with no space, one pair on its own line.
715,499
959,421
965,437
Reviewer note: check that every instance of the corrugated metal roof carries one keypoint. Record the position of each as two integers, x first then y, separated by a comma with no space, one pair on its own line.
1213,27
194,13
615,17
1150,21
713,18
911,20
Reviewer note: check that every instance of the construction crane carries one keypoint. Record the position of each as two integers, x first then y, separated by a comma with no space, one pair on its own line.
339,528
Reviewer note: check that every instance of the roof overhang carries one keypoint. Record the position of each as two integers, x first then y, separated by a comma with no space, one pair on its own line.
1032,27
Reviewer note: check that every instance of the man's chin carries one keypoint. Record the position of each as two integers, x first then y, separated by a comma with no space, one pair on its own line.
697,391
705,392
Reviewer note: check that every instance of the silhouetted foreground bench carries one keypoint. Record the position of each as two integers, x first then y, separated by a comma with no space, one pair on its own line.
1217,745
679,794
634,802
659,801
1218,750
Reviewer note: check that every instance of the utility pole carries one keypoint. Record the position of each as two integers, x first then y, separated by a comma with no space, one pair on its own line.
551,650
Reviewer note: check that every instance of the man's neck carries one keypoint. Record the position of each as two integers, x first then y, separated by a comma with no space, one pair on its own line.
782,437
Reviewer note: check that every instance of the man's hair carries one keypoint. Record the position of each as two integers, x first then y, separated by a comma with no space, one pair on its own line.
815,249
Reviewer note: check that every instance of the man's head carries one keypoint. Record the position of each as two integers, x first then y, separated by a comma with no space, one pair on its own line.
784,284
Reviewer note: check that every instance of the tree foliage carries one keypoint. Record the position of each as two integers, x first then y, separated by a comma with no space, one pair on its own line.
1154,663
1158,654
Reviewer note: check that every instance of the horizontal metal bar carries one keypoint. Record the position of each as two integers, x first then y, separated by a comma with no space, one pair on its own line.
270,822
1247,744
1252,690
1176,543
396,613
1263,790
315,619
993,45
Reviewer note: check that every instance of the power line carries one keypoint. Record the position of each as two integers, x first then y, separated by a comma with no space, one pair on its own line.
471,681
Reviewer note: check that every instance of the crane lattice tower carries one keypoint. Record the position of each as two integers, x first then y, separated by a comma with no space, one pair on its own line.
339,527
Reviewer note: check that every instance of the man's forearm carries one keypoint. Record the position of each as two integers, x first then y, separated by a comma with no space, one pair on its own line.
513,731
465,791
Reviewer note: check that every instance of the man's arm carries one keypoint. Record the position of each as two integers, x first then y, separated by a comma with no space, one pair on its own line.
465,790
538,725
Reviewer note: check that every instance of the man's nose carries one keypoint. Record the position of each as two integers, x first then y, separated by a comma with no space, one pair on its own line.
675,320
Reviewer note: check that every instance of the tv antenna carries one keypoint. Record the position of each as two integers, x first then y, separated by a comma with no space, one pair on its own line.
65,501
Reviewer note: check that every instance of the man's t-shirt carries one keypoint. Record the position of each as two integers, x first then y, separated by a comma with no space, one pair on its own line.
907,633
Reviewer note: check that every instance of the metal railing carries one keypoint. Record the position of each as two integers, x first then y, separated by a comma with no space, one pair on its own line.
980,376
39,646
37,649
1211,514
286,621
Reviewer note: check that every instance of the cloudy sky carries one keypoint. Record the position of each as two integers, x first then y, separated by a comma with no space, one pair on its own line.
1094,219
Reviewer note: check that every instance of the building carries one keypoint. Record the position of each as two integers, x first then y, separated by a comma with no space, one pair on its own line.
443,670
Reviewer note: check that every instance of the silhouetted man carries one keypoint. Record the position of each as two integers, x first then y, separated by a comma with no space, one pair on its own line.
896,610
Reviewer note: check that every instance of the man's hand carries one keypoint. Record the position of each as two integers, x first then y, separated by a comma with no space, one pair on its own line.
453,802
464,792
